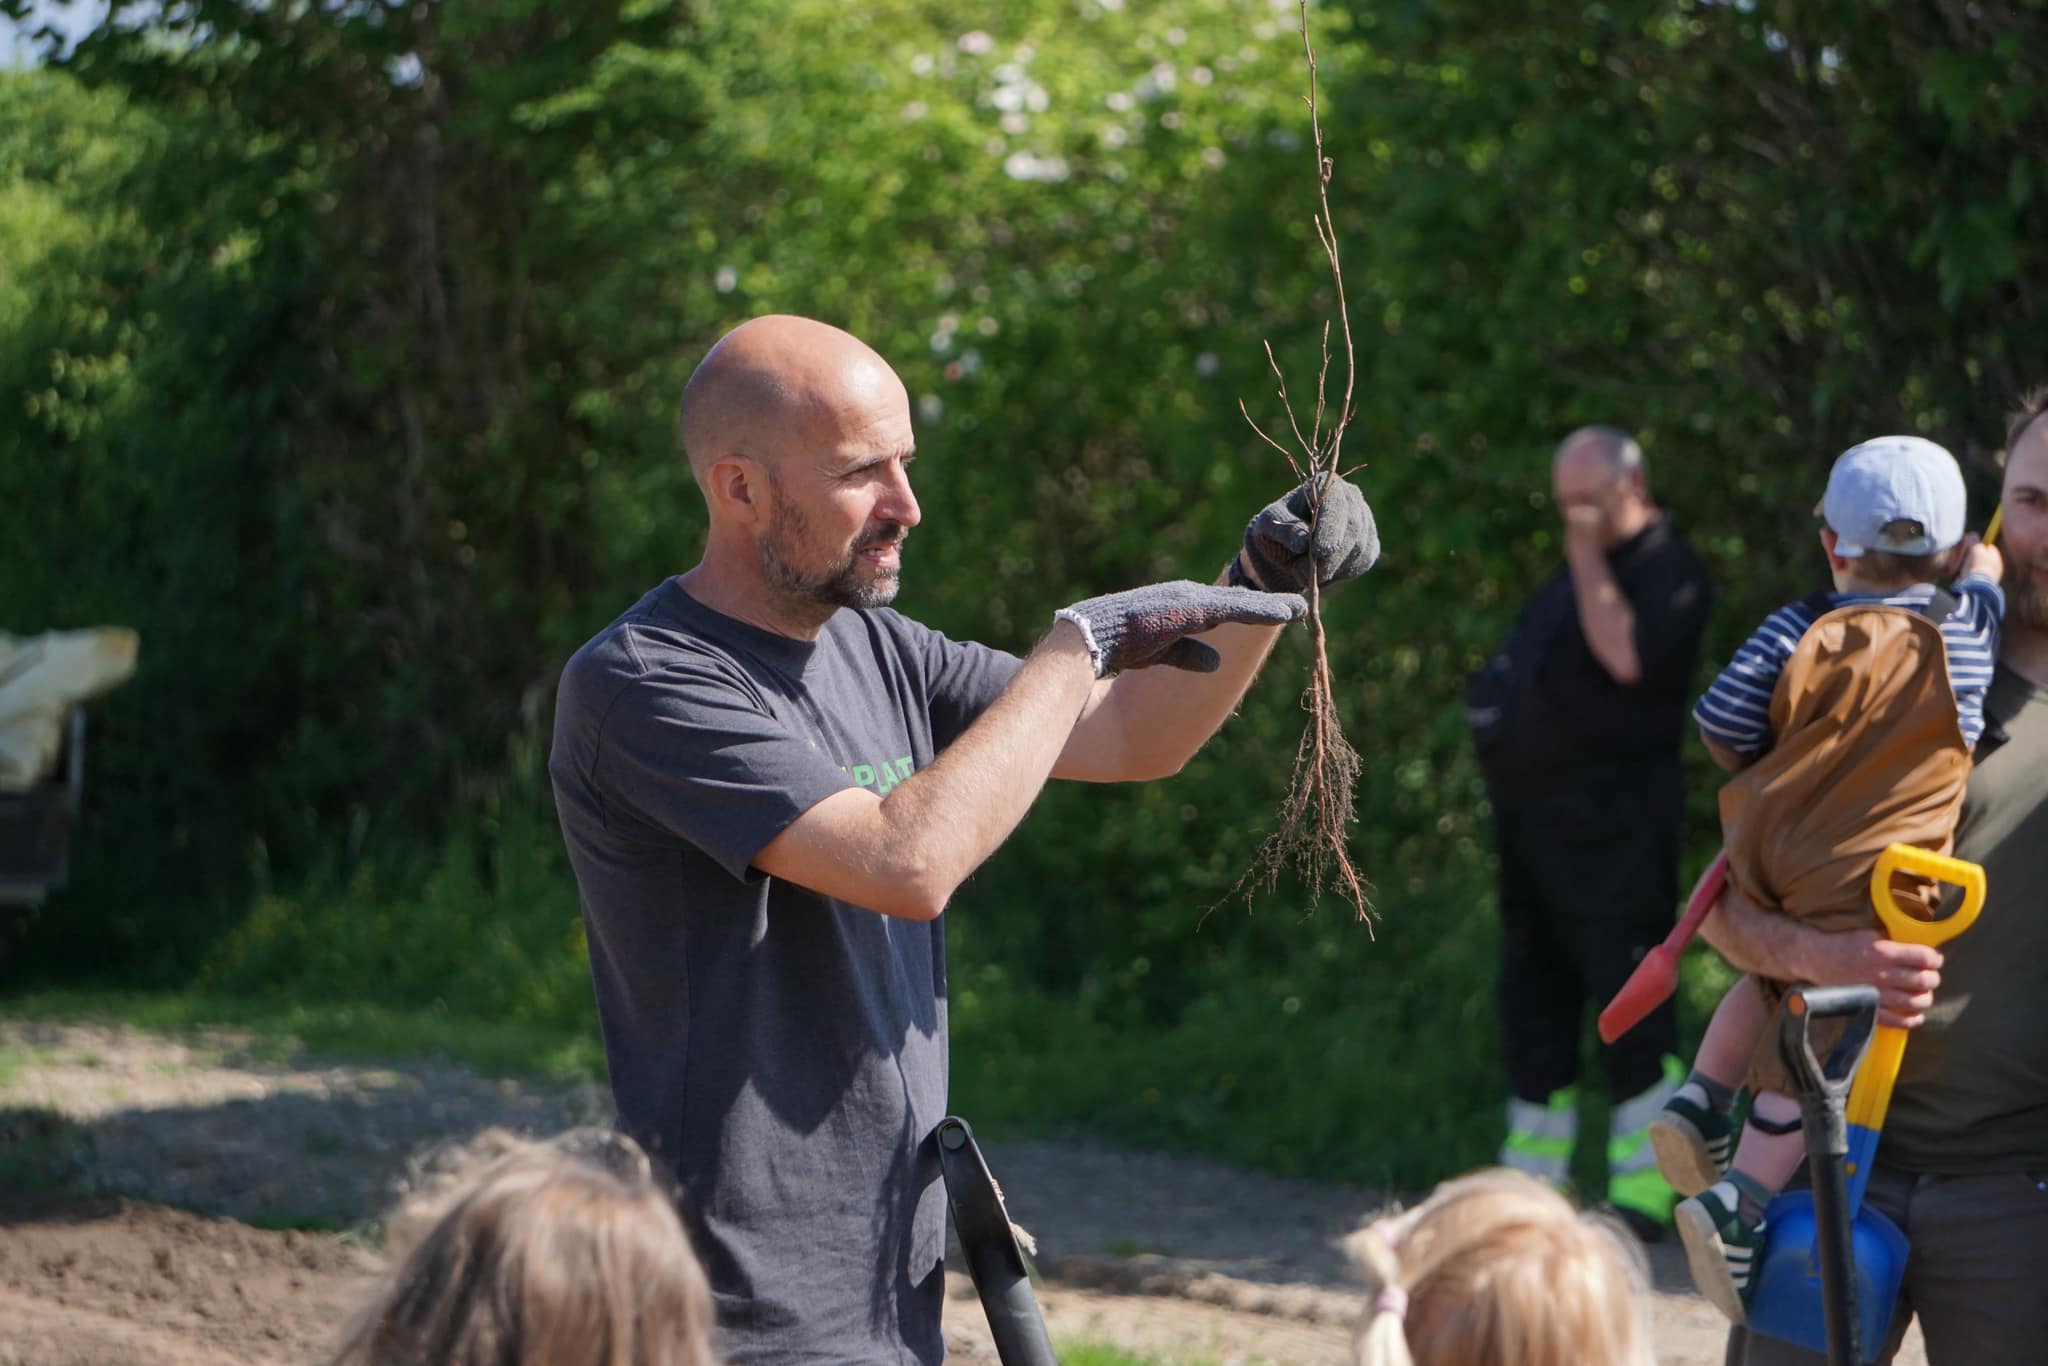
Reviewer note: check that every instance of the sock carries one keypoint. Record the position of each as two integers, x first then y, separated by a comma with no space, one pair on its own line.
1744,1194
1703,1091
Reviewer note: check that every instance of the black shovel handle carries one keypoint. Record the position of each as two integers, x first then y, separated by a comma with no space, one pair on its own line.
1824,1086
994,1259
1823,1102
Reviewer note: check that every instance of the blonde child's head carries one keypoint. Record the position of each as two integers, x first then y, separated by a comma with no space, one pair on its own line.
1498,1269
567,1253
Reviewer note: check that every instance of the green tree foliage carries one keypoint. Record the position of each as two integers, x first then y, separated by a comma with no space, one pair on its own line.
123,464
353,481
339,345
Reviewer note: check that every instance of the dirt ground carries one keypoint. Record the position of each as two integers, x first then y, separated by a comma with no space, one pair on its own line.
204,1201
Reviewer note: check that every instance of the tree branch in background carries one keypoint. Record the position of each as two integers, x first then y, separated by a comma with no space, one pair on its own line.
1318,811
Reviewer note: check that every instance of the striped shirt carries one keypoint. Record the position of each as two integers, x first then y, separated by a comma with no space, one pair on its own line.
1736,709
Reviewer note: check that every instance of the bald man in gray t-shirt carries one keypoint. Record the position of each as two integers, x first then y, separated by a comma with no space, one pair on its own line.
771,785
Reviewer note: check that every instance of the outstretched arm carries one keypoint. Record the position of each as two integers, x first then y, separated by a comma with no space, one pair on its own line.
905,854
1147,724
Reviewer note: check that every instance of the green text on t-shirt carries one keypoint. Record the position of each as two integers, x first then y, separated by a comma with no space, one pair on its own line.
883,776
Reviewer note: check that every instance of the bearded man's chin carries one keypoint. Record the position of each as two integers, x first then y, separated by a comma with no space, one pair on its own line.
2029,602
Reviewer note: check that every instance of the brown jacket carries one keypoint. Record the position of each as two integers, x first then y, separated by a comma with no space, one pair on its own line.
1868,752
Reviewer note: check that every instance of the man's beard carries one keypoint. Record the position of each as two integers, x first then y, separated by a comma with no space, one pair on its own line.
2026,597
841,584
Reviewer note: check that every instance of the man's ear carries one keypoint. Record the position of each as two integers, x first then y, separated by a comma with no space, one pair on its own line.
738,488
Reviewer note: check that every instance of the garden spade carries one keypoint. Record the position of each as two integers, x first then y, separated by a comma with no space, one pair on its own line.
1813,1231
1656,977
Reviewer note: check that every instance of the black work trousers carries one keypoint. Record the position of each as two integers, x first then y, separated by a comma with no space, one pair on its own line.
1588,884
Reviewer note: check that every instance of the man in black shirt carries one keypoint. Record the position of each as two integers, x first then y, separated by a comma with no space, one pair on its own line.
1577,720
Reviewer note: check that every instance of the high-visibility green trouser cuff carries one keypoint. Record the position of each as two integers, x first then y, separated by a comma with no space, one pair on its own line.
1645,1192
1541,1137
1631,1152
1533,1145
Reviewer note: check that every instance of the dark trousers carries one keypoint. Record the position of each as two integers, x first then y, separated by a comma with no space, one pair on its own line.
1588,883
1973,1277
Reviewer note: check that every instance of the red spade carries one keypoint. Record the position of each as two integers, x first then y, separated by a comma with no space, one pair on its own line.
1656,977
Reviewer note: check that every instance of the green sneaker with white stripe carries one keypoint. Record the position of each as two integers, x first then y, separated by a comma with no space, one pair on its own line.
1693,1143
1721,1250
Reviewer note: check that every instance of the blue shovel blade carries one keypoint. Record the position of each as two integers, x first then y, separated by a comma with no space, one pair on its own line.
1787,1302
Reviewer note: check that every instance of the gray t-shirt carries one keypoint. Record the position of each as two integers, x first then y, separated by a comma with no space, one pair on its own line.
1972,1094
783,1052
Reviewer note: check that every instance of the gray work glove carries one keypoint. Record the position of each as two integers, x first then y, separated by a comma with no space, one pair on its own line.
1276,554
1142,626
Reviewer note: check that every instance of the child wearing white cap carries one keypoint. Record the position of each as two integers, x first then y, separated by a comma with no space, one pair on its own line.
1848,719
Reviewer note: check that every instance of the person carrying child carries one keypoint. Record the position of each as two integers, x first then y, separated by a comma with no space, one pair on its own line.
1848,719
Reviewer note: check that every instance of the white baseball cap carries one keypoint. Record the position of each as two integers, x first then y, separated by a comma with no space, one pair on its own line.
1900,494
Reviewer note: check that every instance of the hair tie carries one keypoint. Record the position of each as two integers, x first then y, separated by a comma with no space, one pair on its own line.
1392,1300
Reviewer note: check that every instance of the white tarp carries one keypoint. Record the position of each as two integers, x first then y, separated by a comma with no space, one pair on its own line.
41,679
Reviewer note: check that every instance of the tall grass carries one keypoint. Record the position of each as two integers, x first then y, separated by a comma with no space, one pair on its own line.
485,927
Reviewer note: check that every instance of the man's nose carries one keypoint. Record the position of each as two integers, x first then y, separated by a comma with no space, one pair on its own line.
899,504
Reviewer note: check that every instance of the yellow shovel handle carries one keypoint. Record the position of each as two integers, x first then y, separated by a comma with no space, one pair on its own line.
1997,521
1870,1096
1901,924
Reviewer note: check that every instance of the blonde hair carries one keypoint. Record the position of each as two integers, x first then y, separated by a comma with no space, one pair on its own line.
566,1253
1498,1269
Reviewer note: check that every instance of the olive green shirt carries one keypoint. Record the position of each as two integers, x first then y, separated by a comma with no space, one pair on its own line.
1973,1090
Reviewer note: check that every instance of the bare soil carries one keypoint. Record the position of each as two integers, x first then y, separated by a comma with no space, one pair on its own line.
205,1200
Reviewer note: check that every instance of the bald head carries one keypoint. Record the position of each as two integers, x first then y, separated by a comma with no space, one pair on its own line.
777,385
1598,479
1614,449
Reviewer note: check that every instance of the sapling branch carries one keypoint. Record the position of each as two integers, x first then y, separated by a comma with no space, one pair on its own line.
1312,838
